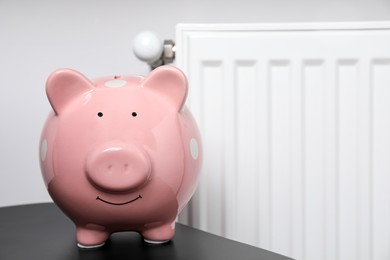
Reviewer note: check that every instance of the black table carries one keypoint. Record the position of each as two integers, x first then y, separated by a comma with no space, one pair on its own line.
42,231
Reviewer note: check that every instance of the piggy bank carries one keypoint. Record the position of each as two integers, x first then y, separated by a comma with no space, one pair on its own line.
120,153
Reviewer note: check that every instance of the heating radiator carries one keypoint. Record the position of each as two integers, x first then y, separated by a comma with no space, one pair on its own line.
295,120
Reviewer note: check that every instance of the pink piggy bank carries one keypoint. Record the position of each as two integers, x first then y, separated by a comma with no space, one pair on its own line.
120,153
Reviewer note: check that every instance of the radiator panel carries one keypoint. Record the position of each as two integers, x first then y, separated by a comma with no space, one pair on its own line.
295,122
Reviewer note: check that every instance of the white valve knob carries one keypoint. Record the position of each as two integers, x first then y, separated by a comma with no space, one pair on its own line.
147,47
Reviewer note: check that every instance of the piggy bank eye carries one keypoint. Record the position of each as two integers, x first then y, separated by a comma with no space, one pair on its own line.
134,114
100,114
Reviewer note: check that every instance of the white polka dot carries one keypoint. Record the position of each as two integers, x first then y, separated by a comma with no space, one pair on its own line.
115,83
43,150
194,148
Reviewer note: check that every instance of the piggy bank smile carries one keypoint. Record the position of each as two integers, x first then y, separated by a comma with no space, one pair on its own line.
118,204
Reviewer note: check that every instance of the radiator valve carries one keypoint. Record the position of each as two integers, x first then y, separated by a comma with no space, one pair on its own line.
148,47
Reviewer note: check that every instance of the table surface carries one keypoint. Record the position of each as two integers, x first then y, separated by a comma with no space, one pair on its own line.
42,231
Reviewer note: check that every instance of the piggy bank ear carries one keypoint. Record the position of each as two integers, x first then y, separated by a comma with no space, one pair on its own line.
170,83
63,85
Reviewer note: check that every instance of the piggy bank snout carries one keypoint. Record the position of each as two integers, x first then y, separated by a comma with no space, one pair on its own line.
118,168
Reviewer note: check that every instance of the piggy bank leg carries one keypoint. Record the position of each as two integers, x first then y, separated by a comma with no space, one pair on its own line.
92,236
158,233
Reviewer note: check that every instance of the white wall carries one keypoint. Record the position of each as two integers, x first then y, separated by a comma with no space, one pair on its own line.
95,37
